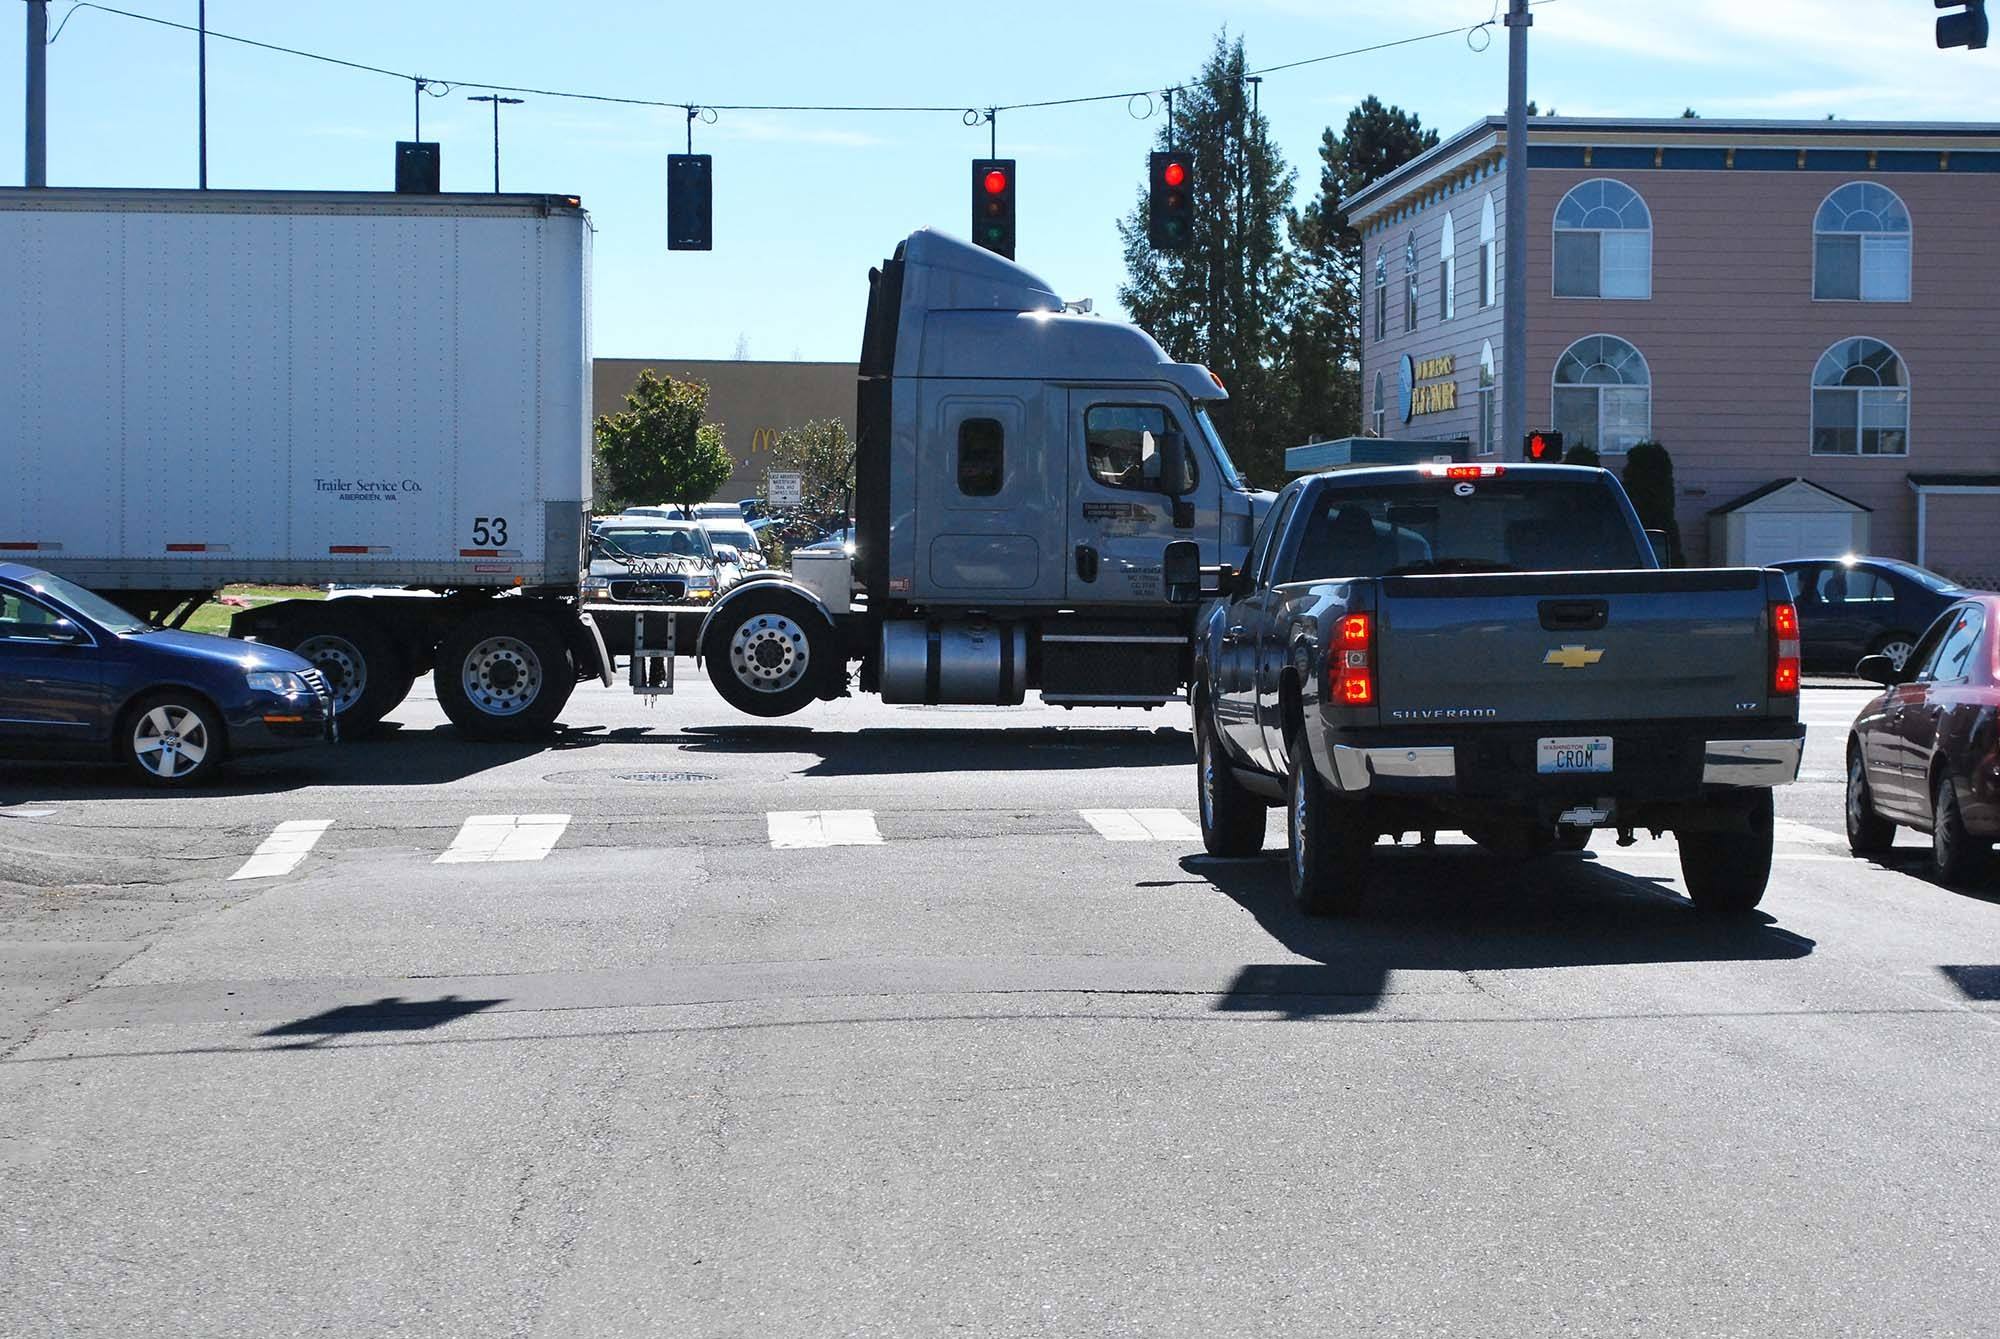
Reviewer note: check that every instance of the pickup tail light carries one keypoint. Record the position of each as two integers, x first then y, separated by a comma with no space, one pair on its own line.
1351,668
1785,650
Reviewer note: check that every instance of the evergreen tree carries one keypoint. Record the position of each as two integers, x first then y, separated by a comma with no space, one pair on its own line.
1222,301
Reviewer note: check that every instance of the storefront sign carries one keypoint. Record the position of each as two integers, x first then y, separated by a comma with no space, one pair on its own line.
1422,391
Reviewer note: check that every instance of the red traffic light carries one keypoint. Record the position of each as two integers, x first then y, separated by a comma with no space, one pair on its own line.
1174,173
996,182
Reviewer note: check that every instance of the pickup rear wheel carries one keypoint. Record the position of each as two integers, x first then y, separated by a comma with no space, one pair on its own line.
1331,846
1232,819
1726,869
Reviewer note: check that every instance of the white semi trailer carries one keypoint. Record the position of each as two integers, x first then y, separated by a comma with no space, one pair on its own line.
204,388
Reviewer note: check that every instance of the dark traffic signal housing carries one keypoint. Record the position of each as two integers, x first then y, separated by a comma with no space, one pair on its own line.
1967,29
690,202
1544,446
1170,201
993,205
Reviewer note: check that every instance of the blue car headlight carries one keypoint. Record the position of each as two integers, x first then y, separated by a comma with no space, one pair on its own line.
283,682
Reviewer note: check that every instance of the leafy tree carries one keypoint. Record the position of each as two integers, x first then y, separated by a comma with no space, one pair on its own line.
659,449
1649,479
1321,346
1220,301
1690,114
821,454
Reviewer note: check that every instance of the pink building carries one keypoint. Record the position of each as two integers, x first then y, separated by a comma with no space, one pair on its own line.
1772,301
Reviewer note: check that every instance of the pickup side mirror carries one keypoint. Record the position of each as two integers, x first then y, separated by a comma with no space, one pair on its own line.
1182,572
1662,547
728,553
1176,465
1878,669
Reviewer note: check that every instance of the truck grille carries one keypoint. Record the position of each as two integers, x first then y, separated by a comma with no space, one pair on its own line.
643,592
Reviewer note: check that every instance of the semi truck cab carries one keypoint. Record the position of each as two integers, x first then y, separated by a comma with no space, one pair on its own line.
1021,469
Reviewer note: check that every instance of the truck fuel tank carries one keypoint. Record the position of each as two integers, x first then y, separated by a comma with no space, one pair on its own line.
968,662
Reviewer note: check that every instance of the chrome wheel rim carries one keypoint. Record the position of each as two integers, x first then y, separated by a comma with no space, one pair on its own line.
170,741
769,653
1857,812
1943,849
1898,652
502,676
1207,781
341,661
1299,825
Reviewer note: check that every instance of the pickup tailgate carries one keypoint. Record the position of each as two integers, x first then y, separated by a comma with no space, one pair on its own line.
1574,646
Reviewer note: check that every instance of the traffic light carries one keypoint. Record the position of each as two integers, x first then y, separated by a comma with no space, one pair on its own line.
993,205
690,202
1967,29
1546,447
416,167
1170,202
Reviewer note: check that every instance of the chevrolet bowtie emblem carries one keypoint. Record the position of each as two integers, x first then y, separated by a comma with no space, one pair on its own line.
1572,657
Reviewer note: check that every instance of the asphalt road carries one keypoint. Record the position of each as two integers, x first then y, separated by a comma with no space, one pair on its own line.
905,1022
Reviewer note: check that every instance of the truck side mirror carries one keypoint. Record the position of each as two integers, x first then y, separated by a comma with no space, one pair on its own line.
1176,465
1661,547
1182,569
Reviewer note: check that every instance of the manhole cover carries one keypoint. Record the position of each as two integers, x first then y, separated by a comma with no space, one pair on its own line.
664,778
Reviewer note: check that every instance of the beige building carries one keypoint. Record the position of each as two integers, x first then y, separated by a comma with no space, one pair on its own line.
753,401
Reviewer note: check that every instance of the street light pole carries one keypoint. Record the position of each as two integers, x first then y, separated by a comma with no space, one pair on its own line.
36,172
201,80
1514,308
497,102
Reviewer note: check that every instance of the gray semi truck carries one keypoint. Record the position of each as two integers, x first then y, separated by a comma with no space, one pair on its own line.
1022,470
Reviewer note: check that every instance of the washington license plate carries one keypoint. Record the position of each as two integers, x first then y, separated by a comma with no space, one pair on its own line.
1582,754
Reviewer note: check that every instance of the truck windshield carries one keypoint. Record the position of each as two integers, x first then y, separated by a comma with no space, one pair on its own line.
1485,525
1222,461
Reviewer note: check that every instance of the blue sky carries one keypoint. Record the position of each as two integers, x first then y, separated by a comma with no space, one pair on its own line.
805,203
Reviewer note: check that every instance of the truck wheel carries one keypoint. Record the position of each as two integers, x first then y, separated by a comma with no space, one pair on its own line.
1868,833
1331,848
768,651
172,738
1232,819
1725,872
1957,857
363,669
504,674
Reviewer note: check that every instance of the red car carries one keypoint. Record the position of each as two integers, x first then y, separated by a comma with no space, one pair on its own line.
1923,754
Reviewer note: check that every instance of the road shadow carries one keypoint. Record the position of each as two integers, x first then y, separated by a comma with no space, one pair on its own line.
1458,909
391,1014
913,750
1976,982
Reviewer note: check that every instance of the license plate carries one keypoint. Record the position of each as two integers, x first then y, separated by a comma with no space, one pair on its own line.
1581,754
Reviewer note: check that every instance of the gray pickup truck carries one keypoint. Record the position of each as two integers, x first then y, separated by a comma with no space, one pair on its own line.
1492,649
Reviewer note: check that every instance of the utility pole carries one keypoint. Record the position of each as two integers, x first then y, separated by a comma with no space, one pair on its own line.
37,122
497,102
201,81
1514,270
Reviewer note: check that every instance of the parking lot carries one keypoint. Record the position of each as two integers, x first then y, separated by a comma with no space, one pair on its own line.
914,1020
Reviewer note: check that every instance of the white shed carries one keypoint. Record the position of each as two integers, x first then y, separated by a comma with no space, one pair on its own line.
1786,518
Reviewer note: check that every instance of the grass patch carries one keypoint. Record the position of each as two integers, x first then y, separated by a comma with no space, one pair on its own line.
214,617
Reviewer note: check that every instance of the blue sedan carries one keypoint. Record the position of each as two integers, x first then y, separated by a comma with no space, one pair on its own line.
81,678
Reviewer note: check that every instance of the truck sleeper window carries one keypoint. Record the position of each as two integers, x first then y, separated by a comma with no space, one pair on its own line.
1430,526
979,457
1122,445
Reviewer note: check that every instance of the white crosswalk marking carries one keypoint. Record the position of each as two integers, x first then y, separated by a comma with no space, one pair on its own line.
282,851
1142,825
807,828
496,837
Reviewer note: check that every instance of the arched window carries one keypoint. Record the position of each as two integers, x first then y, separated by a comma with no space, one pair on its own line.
1603,395
1381,407
1486,398
1489,268
1861,246
1447,270
1861,401
1381,295
1604,242
1410,282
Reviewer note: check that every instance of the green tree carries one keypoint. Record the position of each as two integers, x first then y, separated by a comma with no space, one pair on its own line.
1220,301
1321,344
821,454
1582,455
659,448
1649,479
